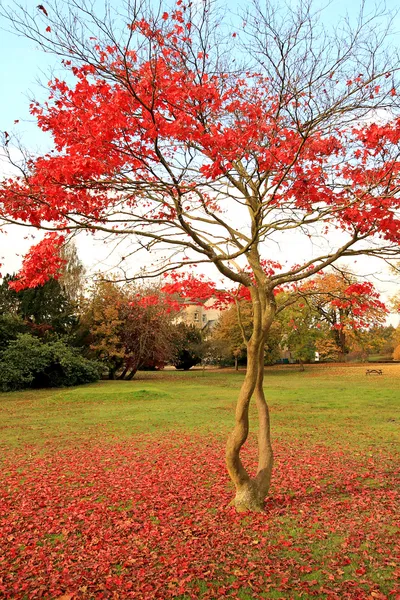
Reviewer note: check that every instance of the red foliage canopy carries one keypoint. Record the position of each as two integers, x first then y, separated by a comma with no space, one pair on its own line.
152,141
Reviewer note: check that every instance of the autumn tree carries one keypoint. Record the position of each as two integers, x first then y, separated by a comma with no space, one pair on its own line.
148,334
396,336
103,324
128,328
327,314
220,140
374,340
328,350
345,303
234,327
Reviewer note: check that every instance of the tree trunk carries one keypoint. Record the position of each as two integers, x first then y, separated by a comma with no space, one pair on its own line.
113,370
265,452
131,374
251,492
124,372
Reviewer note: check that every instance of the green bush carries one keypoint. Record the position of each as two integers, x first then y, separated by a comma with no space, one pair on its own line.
10,326
30,362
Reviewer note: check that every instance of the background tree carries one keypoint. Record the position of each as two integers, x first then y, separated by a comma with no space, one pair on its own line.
128,328
8,296
148,335
103,324
188,348
10,326
72,274
378,340
233,328
50,306
344,303
160,133
300,329
327,349
43,308
47,305
396,336
395,300
217,352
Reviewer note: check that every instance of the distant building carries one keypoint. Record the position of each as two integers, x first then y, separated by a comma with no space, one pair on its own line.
203,316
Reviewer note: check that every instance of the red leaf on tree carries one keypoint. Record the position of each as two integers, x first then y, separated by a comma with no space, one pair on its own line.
41,263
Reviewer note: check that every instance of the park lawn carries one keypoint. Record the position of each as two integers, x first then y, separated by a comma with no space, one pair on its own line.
327,402
118,489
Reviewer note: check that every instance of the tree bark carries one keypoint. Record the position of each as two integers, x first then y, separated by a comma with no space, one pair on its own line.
265,452
251,492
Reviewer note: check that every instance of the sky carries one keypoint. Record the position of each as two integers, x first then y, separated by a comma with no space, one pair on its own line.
22,65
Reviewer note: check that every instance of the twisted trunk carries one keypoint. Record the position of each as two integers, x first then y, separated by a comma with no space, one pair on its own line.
251,491
265,453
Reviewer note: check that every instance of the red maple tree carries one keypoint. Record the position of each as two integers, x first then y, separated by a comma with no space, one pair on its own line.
161,134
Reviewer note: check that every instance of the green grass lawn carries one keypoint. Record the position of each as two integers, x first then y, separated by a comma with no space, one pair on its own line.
330,403
119,490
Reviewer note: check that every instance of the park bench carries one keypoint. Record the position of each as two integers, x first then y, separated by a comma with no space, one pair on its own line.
374,372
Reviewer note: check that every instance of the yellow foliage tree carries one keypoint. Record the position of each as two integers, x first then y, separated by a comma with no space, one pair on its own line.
328,349
396,353
103,318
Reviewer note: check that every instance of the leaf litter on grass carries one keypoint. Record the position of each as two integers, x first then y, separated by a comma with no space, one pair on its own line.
149,518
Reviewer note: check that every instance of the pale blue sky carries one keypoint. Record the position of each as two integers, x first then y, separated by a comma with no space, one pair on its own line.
22,64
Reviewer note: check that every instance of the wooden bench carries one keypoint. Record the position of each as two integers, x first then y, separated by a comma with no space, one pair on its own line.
374,372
